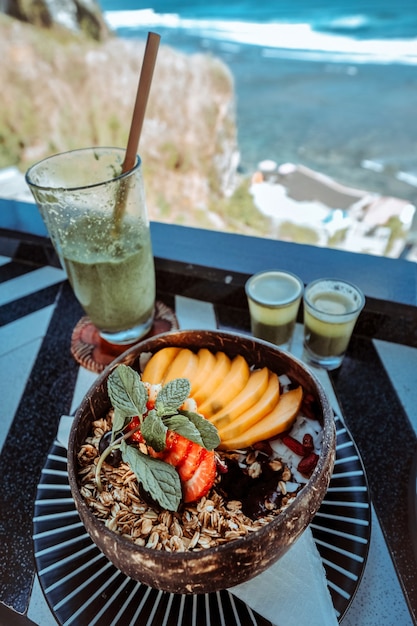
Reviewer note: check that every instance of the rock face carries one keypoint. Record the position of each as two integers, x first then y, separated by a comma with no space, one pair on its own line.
79,16
65,92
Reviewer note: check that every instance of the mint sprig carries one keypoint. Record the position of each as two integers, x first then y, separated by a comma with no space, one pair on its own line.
183,426
208,432
158,478
154,431
172,396
129,397
127,394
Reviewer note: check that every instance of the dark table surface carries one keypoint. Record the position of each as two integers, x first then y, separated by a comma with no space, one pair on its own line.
211,268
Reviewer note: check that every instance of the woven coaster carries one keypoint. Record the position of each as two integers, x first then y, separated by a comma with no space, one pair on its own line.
91,351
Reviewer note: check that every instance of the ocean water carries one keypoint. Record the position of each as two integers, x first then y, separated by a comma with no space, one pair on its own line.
327,83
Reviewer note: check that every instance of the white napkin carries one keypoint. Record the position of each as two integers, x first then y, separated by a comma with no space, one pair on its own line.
293,591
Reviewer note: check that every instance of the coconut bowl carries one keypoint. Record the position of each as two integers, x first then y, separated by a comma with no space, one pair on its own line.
237,561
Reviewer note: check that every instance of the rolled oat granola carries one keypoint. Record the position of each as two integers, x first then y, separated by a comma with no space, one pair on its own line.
217,518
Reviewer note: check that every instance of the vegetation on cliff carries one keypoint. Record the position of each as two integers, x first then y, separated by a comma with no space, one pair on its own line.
79,16
66,91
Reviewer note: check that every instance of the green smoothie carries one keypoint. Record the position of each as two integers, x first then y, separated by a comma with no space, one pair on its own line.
273,299
113,276
278,334
325,337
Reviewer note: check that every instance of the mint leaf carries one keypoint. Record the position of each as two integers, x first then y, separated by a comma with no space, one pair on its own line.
158,478
119,421
154,431
127,392
172,396
183,426
208,432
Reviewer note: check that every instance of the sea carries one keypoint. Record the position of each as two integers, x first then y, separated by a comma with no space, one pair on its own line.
330,84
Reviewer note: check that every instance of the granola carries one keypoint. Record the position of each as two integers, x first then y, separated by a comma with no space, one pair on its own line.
211,521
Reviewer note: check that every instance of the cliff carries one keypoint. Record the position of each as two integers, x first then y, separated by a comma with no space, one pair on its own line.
78,16
67,91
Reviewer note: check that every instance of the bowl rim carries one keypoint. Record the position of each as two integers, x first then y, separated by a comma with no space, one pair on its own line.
328,448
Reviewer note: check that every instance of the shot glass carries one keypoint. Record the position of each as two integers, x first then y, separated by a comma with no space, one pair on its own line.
274,298
97,219
331,308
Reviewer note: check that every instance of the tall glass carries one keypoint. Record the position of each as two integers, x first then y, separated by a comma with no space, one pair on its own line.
97,220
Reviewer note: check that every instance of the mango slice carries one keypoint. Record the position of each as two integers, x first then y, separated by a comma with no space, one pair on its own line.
277,421
244,405
184,365
158,364
205,367
250,394
220,371
228,388
258,411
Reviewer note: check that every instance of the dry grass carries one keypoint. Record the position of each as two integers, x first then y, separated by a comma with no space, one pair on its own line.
66,92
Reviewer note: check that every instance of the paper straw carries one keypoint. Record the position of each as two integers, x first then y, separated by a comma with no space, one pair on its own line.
144,87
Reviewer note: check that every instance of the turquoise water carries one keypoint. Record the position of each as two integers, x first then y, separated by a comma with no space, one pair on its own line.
332,85
322,24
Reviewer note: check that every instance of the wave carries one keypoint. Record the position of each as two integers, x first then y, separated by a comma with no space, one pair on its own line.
349,22
289,39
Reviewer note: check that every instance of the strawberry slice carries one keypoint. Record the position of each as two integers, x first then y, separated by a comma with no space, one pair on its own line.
190,463
177,448
195,465
134,423
202,480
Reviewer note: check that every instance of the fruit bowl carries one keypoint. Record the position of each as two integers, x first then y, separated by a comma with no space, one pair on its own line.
235,561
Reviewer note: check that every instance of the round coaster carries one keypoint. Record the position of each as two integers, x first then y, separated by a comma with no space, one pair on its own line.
91,351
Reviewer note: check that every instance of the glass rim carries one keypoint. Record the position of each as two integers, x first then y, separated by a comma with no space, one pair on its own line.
357,309
59,155
283,303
